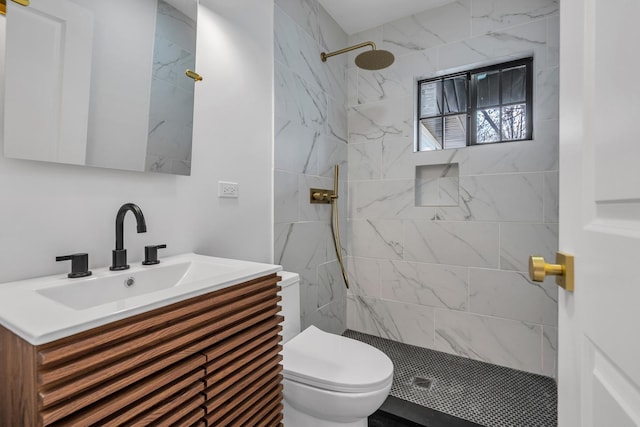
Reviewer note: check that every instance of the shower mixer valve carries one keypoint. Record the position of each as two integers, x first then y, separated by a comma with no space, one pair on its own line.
319,195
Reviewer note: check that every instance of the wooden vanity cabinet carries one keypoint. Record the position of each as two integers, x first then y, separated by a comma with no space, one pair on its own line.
212,360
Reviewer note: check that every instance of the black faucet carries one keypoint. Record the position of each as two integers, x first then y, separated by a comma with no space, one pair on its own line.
119,254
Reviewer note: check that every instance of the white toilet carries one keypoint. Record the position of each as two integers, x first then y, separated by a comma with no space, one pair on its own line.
329,380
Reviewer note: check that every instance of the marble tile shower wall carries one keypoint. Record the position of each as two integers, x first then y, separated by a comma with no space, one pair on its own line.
310,138
453,278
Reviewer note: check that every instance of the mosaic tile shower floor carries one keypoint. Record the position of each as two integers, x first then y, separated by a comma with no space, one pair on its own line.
490,395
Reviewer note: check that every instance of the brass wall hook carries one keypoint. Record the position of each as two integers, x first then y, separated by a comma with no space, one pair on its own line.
563,270
193,75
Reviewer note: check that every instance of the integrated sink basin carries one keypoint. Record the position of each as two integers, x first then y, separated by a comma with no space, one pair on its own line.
44,309
81,294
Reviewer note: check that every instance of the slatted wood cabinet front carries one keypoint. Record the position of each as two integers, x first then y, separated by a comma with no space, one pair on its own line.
212,360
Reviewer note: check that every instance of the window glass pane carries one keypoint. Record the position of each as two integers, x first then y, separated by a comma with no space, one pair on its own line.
430,134
514,122
430,98
514,87
455,131
488,86
488,125
455,95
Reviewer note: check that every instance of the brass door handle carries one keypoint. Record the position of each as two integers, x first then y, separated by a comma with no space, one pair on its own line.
563,270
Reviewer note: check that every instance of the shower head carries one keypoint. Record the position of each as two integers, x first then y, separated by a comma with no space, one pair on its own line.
374,59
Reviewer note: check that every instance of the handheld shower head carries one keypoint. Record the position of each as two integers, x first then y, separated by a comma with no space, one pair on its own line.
374,59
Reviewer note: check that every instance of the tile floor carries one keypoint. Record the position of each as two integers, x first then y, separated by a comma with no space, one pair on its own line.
486,394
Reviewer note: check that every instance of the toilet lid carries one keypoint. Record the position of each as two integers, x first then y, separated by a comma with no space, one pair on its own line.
336,363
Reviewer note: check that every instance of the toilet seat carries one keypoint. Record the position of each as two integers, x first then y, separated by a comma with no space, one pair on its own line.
332,362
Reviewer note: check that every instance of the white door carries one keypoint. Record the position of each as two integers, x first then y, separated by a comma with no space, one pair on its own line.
599,324
48,76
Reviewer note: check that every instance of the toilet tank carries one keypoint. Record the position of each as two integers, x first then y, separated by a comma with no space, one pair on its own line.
290,304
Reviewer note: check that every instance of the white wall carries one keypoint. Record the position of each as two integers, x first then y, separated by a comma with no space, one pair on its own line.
50,209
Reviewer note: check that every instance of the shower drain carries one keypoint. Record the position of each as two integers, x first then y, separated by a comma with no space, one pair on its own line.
423,383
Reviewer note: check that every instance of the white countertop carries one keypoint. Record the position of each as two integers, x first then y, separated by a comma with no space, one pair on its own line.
29,307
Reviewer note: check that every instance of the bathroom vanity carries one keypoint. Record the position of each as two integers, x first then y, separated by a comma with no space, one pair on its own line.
203,350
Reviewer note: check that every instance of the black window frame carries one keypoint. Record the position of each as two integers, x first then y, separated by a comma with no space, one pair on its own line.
472,107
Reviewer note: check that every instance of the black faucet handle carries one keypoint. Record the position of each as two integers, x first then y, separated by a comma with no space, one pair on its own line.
151,254
79,265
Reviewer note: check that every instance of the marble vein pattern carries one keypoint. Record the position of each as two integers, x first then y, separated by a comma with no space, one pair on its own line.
365,161
383,199
407,323
397,156
331,285
376,238
519,241
296,147
547,91
509,43
364,276
430,28
285,197
299,100
432,285
512,197
511,295
333,152
551,197
549,351
303,12
504,342
491,15
378,121
452,243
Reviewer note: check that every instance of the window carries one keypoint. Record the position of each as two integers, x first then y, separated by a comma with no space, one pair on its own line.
481,106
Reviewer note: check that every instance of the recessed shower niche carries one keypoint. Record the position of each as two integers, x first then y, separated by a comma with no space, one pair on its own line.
437,185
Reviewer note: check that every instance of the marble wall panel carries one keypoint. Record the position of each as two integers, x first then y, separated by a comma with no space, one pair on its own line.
382,199
299,100
285,197
407,323
303,12
452,243
375,238
508,197
432,285
311,132
397,158
551,197
493,15
364,276
519,241
331,285
547,102
333,152
296,147
378,121
550,351
365,160
510,43
553,41
511,295
505,342
464,263
434,27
